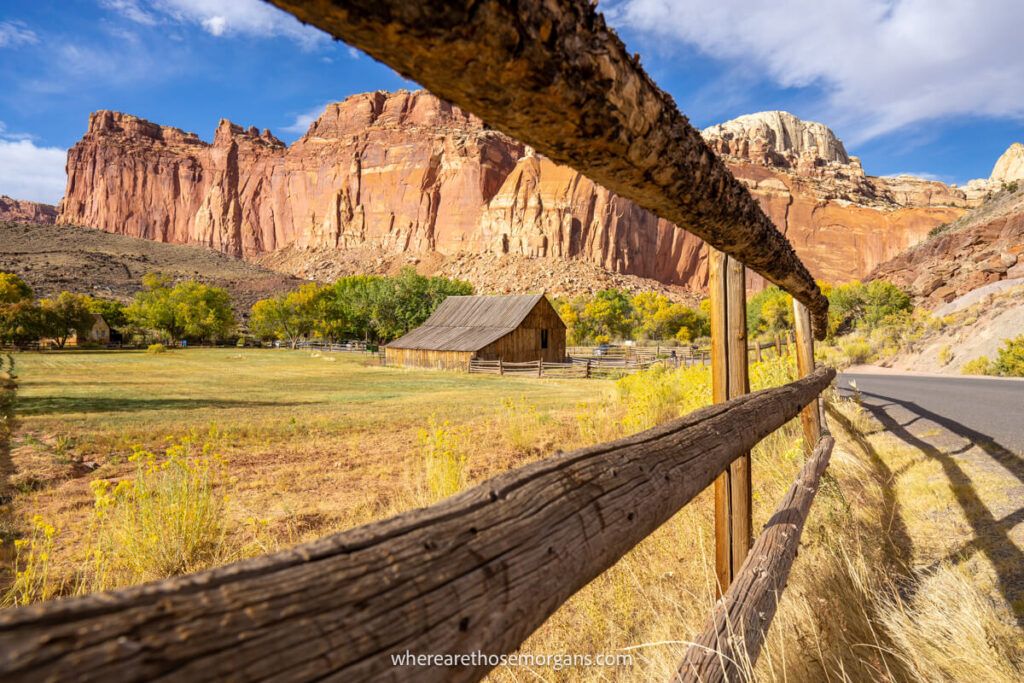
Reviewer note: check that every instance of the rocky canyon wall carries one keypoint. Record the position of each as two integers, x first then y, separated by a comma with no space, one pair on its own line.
407,173
20,210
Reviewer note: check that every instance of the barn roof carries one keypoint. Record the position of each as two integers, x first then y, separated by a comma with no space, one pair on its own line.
469,323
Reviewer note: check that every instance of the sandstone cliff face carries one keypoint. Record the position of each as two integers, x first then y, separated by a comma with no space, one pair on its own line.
1010,166
403,171
842,222
777,138
406,173
547,210
20,210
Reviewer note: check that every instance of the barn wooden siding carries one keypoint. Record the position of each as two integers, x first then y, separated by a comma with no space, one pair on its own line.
523,343
509,328
428,358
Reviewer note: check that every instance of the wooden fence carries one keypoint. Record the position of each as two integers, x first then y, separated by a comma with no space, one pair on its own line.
480,571
573,368
619,361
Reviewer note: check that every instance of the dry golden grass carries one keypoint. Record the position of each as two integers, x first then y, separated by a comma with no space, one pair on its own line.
310,447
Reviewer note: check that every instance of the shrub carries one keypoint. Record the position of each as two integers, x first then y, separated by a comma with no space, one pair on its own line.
1010,361
156,348
444,460
520,423
166,519
945,355
32,580
856,351
659,394
979,366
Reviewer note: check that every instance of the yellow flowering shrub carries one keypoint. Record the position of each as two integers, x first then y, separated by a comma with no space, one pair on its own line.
167,519
32,580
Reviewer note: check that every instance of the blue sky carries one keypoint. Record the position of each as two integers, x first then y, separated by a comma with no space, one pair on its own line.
930,87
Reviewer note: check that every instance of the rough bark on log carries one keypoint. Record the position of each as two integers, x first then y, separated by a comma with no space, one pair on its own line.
477,572
553,75
728,647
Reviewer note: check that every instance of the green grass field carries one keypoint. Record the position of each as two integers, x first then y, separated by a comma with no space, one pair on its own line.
106,401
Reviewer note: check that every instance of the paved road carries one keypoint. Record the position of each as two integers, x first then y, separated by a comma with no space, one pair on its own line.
939,408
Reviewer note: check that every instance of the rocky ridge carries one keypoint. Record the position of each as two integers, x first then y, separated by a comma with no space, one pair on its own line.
23,210
405,173
984,247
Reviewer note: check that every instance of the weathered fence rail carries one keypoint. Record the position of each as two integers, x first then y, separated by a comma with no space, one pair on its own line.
477,572
730,643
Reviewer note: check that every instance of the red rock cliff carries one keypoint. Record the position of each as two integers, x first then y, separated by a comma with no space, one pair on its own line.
21,210
406,172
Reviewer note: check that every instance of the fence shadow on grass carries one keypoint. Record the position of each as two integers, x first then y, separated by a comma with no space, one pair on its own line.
991,535
64,405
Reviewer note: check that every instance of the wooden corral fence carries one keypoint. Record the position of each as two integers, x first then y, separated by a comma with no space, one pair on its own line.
574,367
479,572
335,347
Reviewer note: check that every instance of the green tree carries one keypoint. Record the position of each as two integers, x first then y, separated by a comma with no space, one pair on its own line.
769,311
113,312
856,305
289,317
202,311
13,289
20,320
188,310
611,315
883,300
65,315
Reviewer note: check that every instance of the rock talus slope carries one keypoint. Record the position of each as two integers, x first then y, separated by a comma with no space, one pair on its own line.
406,173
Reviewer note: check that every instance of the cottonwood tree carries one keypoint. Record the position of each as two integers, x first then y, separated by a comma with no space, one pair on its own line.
65,315
289,317
187,310
19,314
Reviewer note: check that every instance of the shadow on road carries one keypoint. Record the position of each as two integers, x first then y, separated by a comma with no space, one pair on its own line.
991,535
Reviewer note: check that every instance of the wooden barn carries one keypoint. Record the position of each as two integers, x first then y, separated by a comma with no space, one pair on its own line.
513,329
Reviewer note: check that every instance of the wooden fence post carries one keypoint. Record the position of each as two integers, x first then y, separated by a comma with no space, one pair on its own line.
501,368
729,372
757,345
809,416
540,368
588,368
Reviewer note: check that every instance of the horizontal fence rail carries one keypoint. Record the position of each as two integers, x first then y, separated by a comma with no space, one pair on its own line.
599,366
552,74
477,572
728,647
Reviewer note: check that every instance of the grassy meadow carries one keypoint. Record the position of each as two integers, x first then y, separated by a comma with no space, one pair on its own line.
129,466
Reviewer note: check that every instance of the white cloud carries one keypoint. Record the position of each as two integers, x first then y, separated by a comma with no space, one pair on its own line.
881,64
216,25
130,9
31,172
223,18
15,33
303,121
